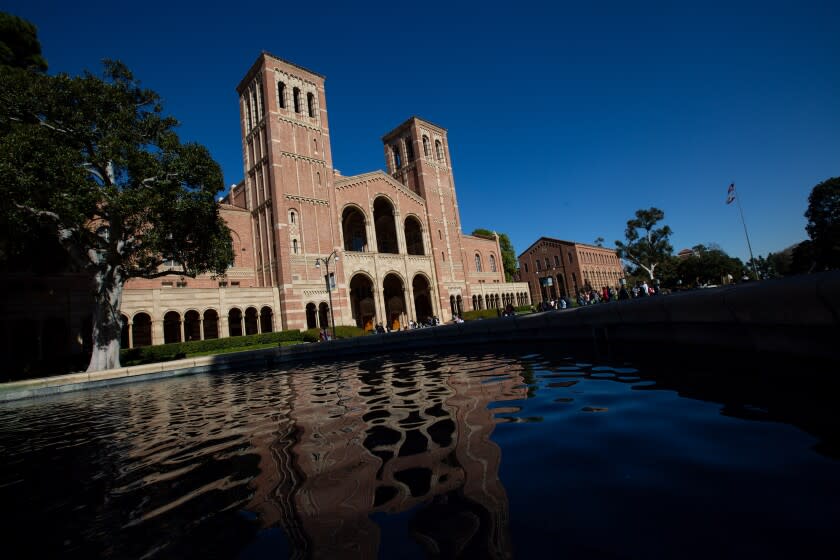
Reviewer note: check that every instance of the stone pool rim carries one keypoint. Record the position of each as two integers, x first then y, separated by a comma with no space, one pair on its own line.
796,318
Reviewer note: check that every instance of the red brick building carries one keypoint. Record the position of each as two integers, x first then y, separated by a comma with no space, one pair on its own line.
401,255
570,266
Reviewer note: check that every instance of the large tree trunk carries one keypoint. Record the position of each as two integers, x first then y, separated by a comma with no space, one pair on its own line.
107,324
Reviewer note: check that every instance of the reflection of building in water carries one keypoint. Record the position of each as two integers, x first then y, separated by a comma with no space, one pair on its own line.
395,437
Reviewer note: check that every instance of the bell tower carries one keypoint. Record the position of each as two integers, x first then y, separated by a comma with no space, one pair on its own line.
417,155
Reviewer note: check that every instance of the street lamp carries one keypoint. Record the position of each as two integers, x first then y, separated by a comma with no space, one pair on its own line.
326,261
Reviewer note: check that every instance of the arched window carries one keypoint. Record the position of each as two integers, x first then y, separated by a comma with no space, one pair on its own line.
492,263
477,262
439,150
570,256
526,267
547,263
310,104
440,235
409,150
557,260
442,256
315,144
426,148
318,175
295,246
397,159
281,95
539,266
296,99
292,217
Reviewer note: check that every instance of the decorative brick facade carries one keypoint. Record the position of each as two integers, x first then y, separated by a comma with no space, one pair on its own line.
397,234
571,266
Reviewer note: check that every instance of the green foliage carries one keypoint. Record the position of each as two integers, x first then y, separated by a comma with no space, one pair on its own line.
777,265
96,158
176,350
94,162
646,246
19,45
480,314
823,226
708,265
341,331
509,262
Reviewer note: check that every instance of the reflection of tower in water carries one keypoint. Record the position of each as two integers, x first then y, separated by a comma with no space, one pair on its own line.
388,437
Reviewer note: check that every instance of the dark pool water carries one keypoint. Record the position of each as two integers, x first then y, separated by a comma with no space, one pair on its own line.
481,455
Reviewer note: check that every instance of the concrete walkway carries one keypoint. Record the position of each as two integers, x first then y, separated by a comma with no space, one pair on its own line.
794,318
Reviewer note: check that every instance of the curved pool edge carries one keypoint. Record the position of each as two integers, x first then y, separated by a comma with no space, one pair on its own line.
794,318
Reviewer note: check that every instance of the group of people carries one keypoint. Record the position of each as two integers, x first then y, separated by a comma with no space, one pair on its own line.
591,296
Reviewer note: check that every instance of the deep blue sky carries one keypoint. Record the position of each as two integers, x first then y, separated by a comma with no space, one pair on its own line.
562,120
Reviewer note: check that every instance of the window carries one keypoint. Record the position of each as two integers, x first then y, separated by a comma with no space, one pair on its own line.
166,284
440,235
234,284
292,217
223,284
281,95
492,263
539,266
439,150
318,176
315,144
426,149
557,260
310,104
570,256
477,262
296,99
409,150
295,246
526,267
547,263
397,160
181,284
442,256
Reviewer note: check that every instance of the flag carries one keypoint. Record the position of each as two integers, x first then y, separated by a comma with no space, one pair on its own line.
730,194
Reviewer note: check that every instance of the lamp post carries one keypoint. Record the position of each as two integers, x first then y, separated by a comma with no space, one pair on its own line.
326,260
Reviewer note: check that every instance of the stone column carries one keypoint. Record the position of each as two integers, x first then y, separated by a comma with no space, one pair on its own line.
201,327
130,335
183,325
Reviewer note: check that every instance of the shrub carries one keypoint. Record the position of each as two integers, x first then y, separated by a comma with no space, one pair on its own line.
176,350
480,314
341,331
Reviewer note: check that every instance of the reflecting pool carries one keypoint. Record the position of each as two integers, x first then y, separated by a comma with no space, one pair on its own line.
476,455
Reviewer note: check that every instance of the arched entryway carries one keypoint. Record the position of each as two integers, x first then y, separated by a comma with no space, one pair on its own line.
422,298
362,305
386,227
141,330
192,325
171,327
394,292
211,324
353,228
251,321
310,316
234,322
324,315
266,316
414,236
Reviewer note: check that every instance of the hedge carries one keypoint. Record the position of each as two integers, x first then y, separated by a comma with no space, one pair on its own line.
176,350
313,335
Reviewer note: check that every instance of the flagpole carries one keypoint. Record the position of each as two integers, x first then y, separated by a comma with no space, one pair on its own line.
747,235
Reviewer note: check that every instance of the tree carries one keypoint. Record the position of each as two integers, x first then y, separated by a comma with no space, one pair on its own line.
95,160
506,247
19,45
599,241
708,265
649,248
823,226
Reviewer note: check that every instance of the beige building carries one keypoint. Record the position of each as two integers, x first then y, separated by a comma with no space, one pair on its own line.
391,239
555,268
